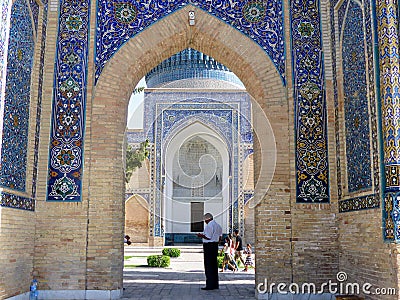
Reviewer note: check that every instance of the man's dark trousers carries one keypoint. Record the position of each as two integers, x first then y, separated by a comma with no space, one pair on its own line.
211,264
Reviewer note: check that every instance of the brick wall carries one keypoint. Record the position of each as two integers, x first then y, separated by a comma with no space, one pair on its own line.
137,219
17,238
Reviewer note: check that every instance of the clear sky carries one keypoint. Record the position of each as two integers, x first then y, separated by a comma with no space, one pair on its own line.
135,109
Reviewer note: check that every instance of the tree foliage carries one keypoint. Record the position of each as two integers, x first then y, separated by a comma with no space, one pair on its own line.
138,90
135,158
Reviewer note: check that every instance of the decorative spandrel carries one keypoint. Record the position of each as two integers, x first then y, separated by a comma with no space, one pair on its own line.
118,21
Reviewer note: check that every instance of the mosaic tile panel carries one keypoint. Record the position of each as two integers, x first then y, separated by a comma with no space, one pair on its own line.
17,98
371,40
360,203
390,216
118,21
355,101
4,39
351,204
310,103
388,43
209,119
14,201
391,176
389,56
248,152
69,102
235,215
35,13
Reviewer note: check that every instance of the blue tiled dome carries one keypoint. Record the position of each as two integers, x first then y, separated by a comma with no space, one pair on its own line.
189,64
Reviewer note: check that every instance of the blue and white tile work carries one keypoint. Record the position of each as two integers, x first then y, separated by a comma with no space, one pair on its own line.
5,11
17,102
118,21
69,102
388,42
354,34
34,6
358,148
189,64
310,104
17,98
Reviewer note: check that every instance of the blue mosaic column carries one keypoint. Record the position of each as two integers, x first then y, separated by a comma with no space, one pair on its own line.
5,15
69,102
388,39
15,106
310,104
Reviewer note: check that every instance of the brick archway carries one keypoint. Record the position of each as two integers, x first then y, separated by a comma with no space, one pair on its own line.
109,107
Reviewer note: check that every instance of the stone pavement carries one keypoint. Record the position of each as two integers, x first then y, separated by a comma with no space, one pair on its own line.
182,280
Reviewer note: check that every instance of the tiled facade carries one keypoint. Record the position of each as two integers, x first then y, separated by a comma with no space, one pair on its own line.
359,120
317,214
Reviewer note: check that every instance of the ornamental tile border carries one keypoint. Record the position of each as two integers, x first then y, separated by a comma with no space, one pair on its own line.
69,102
360,203
15,201
312,174
388,43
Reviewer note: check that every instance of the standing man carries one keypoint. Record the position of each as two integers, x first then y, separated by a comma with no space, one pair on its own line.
238,246
211,236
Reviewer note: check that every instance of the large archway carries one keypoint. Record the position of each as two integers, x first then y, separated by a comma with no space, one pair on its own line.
111,95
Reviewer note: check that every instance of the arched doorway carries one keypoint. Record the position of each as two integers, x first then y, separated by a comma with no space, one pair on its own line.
197,170
247,60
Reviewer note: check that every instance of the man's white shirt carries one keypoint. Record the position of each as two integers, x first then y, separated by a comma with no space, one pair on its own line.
213,231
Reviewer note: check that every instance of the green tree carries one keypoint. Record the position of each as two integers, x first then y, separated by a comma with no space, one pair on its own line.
138,90
135,158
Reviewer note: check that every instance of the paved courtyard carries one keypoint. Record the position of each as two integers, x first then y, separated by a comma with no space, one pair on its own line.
182,280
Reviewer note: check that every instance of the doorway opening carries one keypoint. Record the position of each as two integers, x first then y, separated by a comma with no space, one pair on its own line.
197,120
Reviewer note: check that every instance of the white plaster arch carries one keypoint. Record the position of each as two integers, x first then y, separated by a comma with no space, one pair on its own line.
218,207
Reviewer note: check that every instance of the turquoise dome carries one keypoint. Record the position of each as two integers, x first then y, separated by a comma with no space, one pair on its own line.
189,64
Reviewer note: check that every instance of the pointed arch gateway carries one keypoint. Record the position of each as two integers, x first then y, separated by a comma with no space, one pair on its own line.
107,110
179,162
